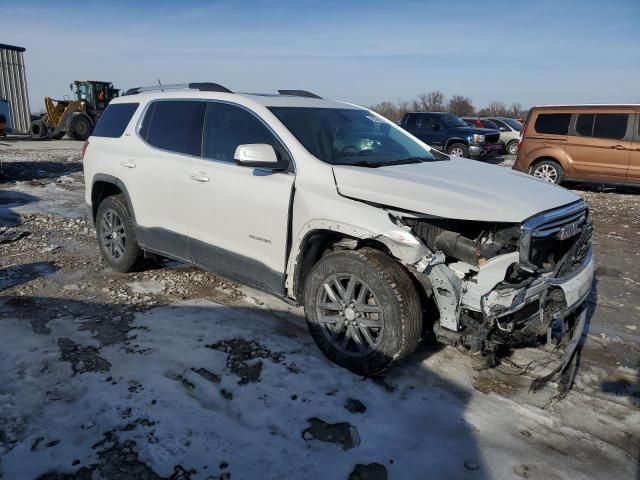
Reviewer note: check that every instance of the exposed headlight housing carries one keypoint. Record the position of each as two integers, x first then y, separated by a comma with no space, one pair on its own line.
477,138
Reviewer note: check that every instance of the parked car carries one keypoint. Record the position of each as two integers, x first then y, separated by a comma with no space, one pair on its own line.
593,143
451,134
333,207
509,132
480,122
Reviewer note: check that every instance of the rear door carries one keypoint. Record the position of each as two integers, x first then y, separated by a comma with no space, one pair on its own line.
600,144
238,216
633,174
155,170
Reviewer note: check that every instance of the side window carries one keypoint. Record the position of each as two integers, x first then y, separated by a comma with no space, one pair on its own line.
411,120
602,125
584,124
174,125
427,121
227,126
610,125
553,123
114,120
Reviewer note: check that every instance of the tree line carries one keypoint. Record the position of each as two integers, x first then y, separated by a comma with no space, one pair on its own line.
436,101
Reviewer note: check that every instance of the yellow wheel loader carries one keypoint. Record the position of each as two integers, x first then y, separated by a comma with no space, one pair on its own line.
76,117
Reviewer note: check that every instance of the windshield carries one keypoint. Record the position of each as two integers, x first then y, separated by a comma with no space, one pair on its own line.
453,121
516,125
352,137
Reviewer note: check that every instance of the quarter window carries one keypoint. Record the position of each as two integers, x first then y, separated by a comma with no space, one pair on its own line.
227,126
174,125
114,120
553,123
602,125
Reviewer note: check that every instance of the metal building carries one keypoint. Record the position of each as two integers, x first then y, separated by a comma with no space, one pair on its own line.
13,86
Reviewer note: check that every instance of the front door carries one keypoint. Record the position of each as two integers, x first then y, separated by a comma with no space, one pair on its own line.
238,216
601,146
432,131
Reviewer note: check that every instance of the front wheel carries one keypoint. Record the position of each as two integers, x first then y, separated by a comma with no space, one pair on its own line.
363,310
512,147
458,150
80,127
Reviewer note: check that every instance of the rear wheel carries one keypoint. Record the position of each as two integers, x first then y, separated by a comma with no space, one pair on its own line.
80,127
38,128
116,235
512,147
363,310
548,170
458,150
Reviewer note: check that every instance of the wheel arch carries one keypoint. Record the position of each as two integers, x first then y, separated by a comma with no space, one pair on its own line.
451,141
103,186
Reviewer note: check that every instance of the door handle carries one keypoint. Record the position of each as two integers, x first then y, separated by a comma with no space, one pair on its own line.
199,177
128,163
617,147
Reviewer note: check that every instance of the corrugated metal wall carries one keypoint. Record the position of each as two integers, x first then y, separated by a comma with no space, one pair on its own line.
13,85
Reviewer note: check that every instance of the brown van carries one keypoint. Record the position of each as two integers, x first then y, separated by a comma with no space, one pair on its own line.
593,143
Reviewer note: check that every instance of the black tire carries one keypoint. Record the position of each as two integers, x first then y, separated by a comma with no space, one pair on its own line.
512,147
459,149
58,135
113,217
547,170
80,127
38,129
389,290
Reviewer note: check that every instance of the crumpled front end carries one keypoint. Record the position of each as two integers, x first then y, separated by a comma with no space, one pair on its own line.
506,285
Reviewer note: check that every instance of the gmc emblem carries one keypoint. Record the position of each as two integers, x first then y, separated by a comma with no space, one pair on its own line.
569,230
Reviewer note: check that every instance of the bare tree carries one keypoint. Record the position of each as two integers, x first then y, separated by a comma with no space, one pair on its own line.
460,105
432,101
515,109
497,109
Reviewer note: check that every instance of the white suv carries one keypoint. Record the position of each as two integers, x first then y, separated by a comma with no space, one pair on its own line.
329,205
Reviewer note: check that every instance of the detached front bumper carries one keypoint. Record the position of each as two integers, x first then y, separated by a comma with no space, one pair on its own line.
484,149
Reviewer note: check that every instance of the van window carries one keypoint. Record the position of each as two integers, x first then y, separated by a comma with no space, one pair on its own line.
553,123
227,126
174,125
610,125
412,120
114,120
602,125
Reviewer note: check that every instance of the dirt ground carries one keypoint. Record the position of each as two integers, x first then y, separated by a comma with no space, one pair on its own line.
59,301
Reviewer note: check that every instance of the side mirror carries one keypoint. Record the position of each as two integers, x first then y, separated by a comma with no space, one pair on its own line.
258,155
503,129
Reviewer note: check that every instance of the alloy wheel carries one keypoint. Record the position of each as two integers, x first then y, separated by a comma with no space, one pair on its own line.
457,152
546,172
513,148
114,237
349,315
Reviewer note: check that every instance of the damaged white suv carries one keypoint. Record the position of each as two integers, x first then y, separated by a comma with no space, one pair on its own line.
383,239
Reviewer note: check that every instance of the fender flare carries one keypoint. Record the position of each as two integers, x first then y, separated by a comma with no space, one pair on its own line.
456,140
103,177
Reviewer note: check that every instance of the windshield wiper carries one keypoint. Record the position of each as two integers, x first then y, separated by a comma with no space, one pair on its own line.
372,164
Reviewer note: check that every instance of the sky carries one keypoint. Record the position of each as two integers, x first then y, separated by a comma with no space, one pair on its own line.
531,52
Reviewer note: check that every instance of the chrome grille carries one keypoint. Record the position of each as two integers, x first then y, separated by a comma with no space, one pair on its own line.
548,236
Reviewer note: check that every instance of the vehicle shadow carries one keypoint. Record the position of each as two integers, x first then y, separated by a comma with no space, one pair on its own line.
230,366
602,187
10,200
15,275
20,171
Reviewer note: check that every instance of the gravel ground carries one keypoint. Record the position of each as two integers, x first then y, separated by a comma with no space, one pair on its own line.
53,280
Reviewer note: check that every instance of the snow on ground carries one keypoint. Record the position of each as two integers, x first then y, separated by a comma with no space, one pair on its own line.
172,371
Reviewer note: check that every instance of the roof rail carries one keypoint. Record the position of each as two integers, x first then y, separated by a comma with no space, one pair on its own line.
299,93
202,86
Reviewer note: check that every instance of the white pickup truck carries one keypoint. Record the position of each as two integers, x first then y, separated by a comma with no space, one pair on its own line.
329,205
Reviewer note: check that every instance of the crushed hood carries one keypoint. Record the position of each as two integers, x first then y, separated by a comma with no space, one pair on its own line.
456,188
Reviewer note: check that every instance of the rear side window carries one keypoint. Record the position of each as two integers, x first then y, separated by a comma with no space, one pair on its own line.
114,120
174,125
553,123
411,121
602,125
